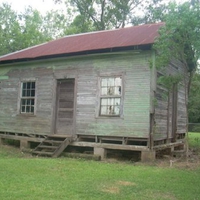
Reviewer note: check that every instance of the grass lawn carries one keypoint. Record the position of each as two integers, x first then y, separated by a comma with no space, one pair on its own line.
194,140
23,177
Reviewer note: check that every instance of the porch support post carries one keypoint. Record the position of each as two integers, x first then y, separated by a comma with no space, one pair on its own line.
148,156
101,152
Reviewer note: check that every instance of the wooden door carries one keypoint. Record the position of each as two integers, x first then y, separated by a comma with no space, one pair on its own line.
65,107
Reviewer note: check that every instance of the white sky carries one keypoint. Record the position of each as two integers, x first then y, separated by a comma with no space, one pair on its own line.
43,5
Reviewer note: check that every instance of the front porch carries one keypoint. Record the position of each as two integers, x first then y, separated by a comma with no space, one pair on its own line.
100,145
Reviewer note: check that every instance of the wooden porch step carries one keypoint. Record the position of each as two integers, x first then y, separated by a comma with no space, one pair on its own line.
52,147
43,153
52,141
178,153
47,147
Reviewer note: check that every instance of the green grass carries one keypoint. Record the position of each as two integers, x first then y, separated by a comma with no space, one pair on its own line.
30,178
46,179
194,140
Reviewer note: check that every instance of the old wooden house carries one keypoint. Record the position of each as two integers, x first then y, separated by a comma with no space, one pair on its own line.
92,90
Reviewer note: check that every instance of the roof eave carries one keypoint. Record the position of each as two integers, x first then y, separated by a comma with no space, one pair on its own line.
90,52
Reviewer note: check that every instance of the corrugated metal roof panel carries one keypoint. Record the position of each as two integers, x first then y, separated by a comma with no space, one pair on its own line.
125,37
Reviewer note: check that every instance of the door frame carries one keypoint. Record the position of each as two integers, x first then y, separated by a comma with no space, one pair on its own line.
55,108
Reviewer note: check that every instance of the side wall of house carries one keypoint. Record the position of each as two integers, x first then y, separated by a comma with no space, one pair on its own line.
164,104
133,66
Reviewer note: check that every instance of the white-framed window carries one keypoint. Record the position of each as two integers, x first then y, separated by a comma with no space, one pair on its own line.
27,100
110,96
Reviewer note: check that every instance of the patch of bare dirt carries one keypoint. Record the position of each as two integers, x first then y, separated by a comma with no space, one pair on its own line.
112,190
117,187
125,183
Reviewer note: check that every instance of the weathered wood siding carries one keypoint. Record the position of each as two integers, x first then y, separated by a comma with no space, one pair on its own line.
163,104
134,67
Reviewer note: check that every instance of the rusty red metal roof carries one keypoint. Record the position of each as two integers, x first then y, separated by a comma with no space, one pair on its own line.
125,37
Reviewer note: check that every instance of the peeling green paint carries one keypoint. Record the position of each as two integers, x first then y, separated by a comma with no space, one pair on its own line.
4,77
5,70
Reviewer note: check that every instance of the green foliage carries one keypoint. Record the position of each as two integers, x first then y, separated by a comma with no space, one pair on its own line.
55,24
194,100
9,29
169,81
180,37
153,12
19,31
102,14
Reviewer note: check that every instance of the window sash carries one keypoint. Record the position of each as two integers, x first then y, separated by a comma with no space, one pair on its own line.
110,96
110,106
27,99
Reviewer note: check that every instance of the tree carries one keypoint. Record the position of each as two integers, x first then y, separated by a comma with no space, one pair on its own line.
194,97
108,14
9,29
31,22
29,28
153,12
56,24
180,38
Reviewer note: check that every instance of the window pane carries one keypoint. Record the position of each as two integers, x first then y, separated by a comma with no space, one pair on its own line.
32,102
104,102
111,90
23,109
33,85
103,110
28,93
28,101
116,110
118,90
23,102
118,81
104,82
111,82
111,101
104,91
23,93
117,101
32,93
28,109
24,85
28,85
32,109
110,110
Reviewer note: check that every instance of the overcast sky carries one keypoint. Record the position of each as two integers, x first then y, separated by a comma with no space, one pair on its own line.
42,5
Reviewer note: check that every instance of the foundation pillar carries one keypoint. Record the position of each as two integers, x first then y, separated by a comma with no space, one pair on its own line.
148,156
101,152
24,144
2,141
